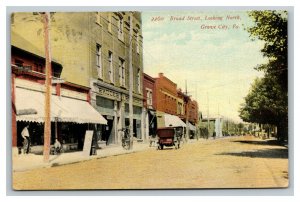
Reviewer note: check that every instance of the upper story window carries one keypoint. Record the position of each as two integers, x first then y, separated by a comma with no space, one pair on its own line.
122,72
179,108
121,28
99,61
137,42
149,97
111,67
138,84
109,21
98,18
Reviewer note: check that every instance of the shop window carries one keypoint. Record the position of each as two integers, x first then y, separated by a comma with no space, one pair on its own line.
104,102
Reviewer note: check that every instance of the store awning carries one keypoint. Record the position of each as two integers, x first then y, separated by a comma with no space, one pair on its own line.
192,127
175,121
63,109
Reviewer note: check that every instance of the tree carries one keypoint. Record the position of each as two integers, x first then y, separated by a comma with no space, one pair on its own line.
267,101
266,104
271,27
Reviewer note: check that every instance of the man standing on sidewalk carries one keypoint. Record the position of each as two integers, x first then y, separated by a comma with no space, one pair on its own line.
26,142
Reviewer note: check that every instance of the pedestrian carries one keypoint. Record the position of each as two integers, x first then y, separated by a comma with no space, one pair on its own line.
57,146
26,137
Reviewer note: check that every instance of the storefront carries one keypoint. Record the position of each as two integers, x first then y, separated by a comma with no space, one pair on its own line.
70,118
192,130
113,103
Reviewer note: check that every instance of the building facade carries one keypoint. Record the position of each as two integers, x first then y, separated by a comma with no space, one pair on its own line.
93,48
166,98
110,72
149,107
71,113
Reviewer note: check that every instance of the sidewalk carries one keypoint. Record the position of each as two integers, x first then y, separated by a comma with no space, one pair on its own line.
32,161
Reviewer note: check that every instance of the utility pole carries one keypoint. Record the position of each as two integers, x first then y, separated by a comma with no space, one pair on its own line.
130,85
47,125
187,113
207,114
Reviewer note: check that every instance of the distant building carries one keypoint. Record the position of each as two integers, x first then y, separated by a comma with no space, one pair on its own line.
215,126
149,110
189,112
166,102
173,107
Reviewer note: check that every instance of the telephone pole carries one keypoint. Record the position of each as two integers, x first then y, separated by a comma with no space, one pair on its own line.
207,114
130,85
187,113
47,125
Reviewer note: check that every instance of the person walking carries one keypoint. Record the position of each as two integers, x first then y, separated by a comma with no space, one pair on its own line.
57,147
26,137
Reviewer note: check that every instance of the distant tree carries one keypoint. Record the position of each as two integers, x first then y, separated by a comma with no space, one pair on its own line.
240,127
267,101
266,104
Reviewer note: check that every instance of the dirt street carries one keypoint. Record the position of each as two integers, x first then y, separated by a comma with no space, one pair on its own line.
235,162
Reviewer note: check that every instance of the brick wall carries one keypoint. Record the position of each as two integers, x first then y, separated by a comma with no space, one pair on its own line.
166,95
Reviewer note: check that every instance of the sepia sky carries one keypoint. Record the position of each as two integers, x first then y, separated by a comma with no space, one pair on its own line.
212,52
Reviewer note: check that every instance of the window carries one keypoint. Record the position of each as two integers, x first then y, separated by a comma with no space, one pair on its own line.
120,28
109,22
98,61
138,84
19,63
180,108
149,97
98,18
137,42
104,102
122,72
110,68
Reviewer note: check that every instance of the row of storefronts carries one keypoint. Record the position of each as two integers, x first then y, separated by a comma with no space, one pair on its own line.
90,81
167,106
71,112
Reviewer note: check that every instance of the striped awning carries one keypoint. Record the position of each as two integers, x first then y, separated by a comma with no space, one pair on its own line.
172,120
30,107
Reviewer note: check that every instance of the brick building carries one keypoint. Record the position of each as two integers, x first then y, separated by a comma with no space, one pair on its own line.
149,109
166,95
166,102
68,100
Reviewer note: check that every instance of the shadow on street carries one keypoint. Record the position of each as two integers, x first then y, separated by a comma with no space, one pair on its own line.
266,142
264,153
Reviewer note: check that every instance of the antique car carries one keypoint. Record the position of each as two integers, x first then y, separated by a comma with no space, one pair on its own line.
169,137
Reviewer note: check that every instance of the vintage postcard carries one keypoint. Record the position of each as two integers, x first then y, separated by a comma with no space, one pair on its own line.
149,99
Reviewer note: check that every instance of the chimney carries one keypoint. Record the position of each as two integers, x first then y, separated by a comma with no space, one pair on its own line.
160,75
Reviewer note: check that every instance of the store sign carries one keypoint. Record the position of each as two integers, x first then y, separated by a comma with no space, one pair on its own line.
87,143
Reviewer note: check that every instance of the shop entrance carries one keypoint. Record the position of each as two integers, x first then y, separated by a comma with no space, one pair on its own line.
107,130
136,127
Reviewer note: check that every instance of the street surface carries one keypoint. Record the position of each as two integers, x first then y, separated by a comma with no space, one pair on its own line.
231,162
